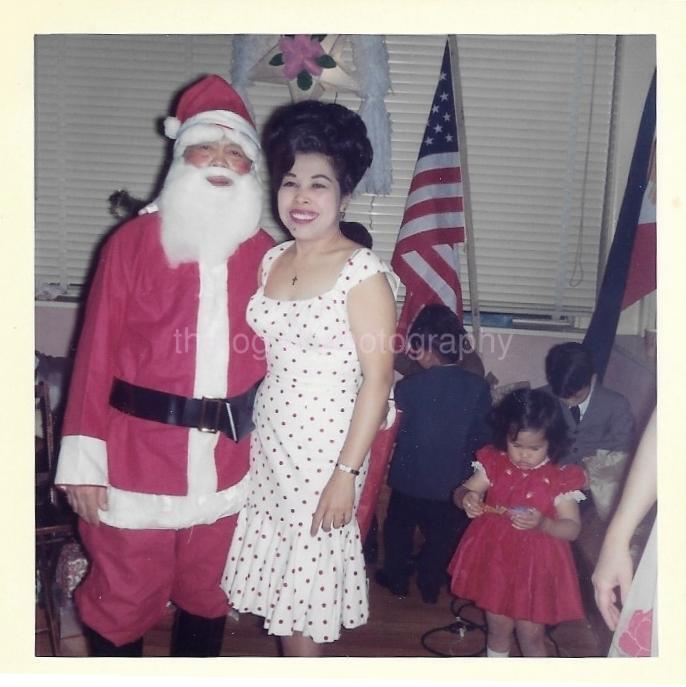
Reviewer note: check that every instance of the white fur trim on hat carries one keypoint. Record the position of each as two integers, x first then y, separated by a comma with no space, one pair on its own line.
213,124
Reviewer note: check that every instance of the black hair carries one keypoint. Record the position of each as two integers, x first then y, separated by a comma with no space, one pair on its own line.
311,126
357,232
439,329
533,410
568,368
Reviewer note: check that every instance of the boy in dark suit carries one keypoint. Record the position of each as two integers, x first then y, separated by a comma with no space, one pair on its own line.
597,418
444,421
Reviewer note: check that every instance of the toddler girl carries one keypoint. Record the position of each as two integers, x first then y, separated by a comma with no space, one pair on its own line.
514,560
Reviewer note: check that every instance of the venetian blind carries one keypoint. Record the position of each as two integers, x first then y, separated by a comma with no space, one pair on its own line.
537,112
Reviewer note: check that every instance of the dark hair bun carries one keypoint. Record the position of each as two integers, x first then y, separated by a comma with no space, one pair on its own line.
311,126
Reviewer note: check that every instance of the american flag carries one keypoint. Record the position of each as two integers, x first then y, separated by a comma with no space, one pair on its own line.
425,256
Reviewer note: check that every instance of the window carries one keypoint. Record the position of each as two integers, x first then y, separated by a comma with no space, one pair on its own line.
537,120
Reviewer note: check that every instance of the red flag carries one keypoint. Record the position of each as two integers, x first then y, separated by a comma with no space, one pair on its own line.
602,329
376,474
642,276
425,256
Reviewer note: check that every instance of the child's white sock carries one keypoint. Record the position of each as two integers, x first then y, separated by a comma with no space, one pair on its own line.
492,653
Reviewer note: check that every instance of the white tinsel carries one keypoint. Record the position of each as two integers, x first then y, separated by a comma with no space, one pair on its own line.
247,49
371,64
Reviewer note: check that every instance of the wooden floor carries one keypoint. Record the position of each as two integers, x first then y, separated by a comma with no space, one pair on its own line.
395,628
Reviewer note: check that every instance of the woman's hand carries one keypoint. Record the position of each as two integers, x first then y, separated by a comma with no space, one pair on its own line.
614,569
527,520
472,502
335,507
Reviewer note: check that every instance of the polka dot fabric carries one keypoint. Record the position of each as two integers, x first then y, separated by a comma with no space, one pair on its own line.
275,568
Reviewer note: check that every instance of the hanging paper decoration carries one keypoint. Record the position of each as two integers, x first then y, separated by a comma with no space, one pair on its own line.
302,57
309,64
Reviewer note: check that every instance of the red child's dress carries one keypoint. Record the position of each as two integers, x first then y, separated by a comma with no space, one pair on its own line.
521,574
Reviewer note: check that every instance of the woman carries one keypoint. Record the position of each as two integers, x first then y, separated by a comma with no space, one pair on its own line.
632,613
326,311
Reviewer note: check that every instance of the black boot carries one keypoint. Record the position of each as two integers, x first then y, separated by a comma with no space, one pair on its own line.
193,635
99,646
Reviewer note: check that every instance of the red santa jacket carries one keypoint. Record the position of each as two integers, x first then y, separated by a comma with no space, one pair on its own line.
139,326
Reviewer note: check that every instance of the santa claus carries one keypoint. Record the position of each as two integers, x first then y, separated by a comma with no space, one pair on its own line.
156,433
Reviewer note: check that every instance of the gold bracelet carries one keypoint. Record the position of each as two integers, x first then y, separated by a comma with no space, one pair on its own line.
346,468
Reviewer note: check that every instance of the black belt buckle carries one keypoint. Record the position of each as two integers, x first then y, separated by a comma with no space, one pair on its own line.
210,411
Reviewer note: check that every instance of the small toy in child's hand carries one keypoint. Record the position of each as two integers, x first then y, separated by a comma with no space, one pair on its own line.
519,510
497,510
502,510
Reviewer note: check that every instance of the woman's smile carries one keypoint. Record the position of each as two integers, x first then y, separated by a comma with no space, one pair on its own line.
303,215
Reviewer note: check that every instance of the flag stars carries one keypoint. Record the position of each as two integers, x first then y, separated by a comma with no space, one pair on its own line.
444,96
443,76
429,140
438,128
449,138
446,117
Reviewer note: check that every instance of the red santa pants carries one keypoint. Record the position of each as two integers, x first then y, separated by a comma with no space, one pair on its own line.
134,573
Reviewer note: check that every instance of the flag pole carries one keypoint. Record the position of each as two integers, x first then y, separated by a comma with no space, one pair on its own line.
466,202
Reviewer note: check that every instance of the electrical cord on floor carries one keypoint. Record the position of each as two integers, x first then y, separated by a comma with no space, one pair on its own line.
549,634
462,625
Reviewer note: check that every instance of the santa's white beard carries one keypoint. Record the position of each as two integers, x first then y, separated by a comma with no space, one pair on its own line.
202,222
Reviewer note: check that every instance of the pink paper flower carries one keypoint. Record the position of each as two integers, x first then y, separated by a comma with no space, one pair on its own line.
636,639
300,53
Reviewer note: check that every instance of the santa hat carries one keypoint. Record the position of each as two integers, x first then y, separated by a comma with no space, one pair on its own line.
208,110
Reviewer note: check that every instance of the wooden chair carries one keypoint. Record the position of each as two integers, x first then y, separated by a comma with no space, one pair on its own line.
55,522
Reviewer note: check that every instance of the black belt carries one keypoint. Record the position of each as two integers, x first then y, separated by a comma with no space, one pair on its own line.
232,416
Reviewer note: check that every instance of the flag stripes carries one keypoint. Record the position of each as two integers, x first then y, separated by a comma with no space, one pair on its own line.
425,256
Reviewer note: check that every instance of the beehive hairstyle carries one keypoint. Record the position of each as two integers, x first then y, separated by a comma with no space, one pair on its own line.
358,233
311,126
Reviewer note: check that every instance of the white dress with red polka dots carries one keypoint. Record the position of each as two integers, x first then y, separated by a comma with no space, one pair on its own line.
275,568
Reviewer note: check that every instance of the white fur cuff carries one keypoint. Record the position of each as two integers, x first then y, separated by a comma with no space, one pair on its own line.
82,460
478,466
575,495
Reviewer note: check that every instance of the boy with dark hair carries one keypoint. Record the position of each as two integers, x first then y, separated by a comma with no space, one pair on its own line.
597,418
443,423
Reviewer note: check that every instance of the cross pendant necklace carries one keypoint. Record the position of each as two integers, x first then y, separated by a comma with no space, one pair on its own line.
295,279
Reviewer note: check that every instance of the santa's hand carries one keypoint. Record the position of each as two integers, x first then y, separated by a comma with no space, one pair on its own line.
335,507
85,500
